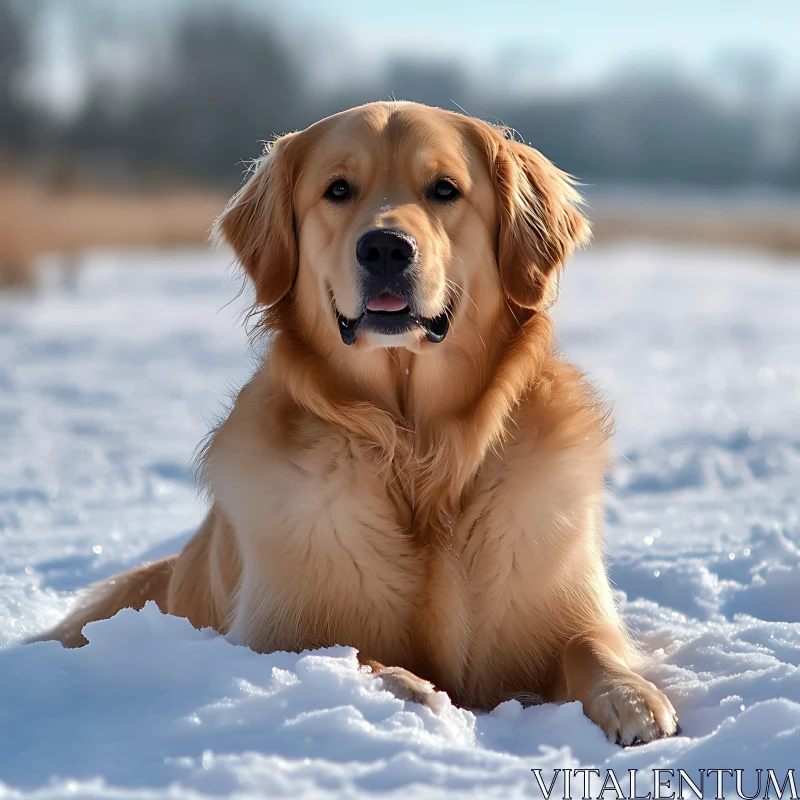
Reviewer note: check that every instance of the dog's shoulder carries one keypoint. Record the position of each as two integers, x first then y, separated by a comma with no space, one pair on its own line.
557,437
564,412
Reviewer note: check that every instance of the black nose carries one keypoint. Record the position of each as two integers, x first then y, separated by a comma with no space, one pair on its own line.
385,253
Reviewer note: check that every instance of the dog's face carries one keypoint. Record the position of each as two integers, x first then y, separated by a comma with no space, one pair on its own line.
396,213
388,223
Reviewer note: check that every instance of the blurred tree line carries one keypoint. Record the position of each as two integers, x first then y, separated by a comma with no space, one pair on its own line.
198,99
15,117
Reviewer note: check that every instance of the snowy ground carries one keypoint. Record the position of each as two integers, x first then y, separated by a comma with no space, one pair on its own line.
106,388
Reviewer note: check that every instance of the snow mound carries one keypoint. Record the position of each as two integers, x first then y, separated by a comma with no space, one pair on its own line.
107,386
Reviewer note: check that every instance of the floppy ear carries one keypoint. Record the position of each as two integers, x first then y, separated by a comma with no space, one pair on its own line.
540,224
258,223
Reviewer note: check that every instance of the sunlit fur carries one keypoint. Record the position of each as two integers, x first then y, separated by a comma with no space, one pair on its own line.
437,506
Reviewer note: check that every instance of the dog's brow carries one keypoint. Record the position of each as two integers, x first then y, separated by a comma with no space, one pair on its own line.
433,169
350,162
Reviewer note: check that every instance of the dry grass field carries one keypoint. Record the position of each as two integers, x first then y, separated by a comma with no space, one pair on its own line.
766,222
38,218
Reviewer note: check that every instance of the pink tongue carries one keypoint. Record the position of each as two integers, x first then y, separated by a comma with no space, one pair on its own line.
386,302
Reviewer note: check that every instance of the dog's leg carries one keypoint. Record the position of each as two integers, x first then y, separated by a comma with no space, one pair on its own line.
131,589
404,685
630,709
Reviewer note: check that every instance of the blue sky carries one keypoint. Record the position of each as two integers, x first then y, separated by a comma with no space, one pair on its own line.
585,36
561,43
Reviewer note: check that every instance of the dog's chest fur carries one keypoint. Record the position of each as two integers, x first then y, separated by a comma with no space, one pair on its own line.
328,554
338,550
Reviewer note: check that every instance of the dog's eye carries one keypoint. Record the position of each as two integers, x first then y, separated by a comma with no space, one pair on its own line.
443,190
339,190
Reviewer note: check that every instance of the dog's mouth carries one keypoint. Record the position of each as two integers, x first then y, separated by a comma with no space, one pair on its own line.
390,315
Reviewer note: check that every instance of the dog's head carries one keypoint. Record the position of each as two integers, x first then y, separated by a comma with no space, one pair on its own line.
383,225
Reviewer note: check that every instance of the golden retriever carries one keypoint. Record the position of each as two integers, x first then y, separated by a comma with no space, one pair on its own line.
412,470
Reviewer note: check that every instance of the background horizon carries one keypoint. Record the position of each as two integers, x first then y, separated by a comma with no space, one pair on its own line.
700,96
129,124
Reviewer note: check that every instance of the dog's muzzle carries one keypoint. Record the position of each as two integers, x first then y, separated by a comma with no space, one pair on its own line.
387,258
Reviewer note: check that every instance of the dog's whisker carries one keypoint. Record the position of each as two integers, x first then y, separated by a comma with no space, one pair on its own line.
462,292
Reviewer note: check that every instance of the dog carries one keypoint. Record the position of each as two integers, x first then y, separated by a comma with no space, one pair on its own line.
412,470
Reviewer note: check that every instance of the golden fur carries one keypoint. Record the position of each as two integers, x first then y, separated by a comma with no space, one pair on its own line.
437,506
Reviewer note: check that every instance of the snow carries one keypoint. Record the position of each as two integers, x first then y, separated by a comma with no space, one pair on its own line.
108,384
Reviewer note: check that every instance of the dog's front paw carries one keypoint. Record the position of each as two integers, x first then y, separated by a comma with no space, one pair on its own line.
405,685
632,712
